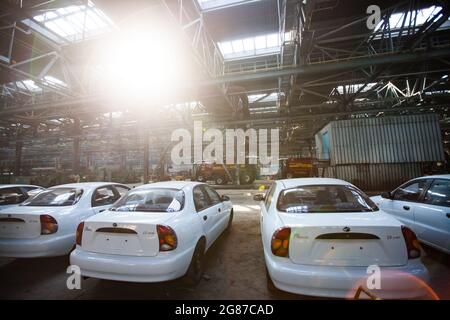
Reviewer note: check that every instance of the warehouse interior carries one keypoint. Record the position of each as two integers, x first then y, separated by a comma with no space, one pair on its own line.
91,90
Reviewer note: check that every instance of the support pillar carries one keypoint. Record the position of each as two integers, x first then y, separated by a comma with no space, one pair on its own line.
76,147
146,158
18,155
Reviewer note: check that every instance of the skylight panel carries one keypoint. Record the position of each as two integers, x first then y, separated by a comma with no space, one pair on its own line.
29,85
273,40
271,97
225,47
55,81
396,19
214,4
238,46
352,88
260,42
249,44
73,22
268,44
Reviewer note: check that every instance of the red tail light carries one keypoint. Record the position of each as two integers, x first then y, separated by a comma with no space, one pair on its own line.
167,238
280,242
79,235
48,224
412,244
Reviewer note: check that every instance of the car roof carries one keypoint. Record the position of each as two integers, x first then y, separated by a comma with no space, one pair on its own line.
436,176
291,183
18,185
169,184
84,185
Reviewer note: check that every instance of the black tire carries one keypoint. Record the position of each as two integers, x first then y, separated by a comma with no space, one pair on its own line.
245,178
197,265
230,222
200,178
270,286
220,180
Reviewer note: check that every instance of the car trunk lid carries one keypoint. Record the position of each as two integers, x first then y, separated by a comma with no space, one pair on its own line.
124,233
23,222
346,239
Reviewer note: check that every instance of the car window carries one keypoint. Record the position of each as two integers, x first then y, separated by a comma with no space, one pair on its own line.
411,191
200,200
324,199
151,200
11,195
32,191
121,189
55,197
269,196
439,193
212,194
103,196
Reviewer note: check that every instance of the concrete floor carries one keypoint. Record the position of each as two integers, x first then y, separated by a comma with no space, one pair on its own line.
235,270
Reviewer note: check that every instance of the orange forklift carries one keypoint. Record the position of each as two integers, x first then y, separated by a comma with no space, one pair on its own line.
298,168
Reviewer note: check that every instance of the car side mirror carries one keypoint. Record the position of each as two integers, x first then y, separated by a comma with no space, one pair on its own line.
386,195
259,197
225,198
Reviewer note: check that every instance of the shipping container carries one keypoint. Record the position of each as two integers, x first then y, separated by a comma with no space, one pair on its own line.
380,153
393,139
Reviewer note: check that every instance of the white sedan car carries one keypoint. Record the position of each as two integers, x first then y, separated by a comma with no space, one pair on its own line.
13,194
422,204
156,232
45,225
325,237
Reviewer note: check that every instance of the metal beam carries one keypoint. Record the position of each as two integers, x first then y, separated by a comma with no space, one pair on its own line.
335,66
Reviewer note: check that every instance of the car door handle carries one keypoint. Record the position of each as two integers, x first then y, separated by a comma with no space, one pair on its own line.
448,215
205,218
101,210
406,207
220,210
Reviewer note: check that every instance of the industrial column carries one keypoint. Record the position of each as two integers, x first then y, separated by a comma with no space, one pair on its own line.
18,155
76,146
146,150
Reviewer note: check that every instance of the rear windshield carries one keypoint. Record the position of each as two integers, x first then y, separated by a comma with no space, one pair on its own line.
55,198
11,196
151,200
324,199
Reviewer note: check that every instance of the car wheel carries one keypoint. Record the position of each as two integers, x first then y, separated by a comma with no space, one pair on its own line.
270,286
230,222
220,180
196,268
289,176
200,179
246,178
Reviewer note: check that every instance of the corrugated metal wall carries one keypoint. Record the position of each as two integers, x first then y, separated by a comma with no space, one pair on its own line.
396,139
371,177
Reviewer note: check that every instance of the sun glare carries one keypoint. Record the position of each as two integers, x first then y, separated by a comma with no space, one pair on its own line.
139,66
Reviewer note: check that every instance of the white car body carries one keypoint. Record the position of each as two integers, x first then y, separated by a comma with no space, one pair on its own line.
23,191
136,256
430,220
336,267
20,226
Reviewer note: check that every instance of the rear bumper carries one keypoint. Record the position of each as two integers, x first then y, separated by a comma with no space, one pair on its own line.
42,246
163,267
405,282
